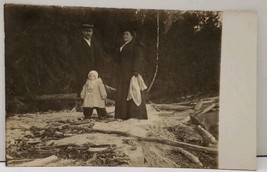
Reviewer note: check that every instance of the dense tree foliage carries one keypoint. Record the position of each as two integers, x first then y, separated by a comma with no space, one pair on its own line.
38,40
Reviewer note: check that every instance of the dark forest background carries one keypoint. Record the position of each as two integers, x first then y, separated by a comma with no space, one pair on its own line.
38,40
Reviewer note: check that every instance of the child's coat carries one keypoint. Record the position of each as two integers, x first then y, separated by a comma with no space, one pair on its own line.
94,94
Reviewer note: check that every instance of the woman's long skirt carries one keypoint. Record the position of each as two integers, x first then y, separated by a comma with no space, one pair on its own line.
128,109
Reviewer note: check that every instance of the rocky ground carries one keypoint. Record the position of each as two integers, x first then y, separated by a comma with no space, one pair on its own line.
166,139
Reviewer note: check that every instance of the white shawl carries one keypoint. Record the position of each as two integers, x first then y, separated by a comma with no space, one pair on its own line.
137,85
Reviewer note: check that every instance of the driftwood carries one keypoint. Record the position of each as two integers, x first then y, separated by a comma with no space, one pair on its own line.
207,109
9,157
39,162
212,98
189,156
97,149
18,161
201,128
183,103
172,107
207,136
94,158
198,105
182,106
154,106
34,141
158,140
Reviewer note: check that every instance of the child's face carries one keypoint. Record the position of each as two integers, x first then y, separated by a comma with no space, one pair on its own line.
91,77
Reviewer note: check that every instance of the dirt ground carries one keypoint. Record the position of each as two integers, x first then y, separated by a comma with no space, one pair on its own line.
76,142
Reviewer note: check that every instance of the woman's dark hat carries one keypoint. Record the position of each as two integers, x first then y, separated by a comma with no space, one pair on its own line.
131,26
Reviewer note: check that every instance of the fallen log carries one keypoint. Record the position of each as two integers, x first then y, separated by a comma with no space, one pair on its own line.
212,98
158,140
9,162
207,136
39,162
183,103
154,106
208,102
34,141
207,109
189,156
94,158
198,105
172,107
9,157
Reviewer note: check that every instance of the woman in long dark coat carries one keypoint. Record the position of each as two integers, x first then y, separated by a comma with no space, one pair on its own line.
129,63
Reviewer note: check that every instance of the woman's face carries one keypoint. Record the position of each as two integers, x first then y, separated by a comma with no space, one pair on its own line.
127,36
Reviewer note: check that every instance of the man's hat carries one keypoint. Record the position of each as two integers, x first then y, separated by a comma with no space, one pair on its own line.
87,26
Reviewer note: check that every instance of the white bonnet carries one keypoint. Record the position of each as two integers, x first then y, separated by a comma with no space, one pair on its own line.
94,73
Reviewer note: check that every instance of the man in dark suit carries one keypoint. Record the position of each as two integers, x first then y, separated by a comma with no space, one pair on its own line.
86,55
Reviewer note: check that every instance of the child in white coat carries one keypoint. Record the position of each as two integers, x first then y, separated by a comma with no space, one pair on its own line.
94,95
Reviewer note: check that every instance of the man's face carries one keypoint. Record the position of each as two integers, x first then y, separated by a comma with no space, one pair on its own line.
87,33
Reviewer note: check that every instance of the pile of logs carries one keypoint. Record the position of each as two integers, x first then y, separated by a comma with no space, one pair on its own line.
199,106
193,130
196,109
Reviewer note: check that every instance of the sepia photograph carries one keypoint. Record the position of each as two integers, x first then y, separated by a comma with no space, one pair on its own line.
115,87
